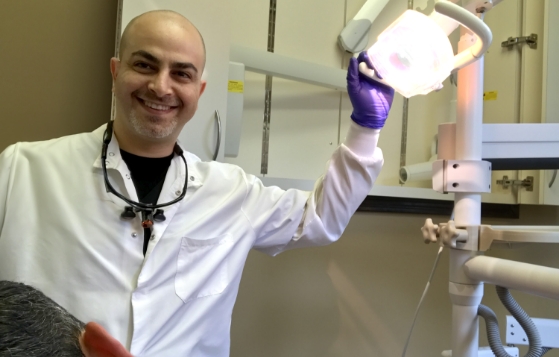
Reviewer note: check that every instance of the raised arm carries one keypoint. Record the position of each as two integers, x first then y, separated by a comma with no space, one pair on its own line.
350,173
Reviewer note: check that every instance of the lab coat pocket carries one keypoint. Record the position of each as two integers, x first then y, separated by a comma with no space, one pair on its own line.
202,267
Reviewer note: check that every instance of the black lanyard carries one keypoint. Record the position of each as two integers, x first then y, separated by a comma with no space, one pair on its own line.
150,212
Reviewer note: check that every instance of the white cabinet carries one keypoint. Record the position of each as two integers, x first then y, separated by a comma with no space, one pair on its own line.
304,125
212,20
516,75
549,191
307,122
502,80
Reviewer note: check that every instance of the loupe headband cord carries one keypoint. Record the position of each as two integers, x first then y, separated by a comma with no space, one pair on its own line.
107,136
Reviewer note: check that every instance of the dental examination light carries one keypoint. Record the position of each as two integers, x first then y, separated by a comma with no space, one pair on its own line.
414,54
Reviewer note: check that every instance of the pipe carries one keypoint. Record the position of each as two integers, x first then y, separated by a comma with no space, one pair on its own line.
529,278
470,21
467,206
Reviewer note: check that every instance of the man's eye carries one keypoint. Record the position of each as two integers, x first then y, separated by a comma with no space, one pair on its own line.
184,75
142,65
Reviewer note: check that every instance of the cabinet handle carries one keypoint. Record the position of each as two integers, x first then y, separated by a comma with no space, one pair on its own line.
218,119
553,178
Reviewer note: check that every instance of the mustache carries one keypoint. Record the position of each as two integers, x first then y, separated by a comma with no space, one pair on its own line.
148,96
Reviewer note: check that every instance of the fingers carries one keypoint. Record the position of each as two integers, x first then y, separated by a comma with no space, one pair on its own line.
364,57
97,342
356,78
353,69
352,75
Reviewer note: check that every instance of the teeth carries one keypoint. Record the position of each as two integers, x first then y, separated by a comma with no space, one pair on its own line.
157,106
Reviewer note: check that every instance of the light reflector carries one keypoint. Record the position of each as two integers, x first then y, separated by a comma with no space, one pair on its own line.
413,55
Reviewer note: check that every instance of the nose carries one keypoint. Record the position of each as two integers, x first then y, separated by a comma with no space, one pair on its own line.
160,85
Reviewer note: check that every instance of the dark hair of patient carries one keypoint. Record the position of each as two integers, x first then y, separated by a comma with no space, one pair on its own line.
32,325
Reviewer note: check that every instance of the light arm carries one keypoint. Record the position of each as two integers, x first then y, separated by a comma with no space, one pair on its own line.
355,35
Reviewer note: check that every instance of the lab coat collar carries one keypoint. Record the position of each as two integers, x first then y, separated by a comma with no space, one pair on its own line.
113,150
113,161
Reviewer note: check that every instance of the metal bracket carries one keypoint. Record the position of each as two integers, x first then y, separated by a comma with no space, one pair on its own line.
531,40
469,176
528,183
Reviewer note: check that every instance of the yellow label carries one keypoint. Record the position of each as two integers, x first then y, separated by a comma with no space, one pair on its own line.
236,86
490,95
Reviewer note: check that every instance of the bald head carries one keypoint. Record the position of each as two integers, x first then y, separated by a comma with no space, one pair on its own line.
157,82
149,20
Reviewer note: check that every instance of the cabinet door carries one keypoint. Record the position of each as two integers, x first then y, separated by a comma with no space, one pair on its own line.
549,192
211,18
502,76
304,121
516,74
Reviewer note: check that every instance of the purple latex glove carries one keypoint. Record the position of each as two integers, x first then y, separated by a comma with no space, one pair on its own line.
371,100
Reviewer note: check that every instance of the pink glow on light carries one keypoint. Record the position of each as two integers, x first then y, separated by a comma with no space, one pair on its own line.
413,54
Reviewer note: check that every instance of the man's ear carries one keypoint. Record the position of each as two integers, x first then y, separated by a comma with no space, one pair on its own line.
97,342
115,66
202,87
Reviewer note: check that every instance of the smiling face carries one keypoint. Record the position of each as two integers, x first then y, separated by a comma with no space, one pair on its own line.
157,81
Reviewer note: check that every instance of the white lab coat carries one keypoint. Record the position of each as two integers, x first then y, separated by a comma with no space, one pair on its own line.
60,231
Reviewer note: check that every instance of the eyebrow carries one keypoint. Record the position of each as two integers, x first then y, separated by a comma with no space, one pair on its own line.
179,65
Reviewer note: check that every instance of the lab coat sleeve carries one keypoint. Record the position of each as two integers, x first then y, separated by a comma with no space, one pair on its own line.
350,175
6,162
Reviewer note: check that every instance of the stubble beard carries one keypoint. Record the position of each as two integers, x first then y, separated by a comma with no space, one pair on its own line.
151,126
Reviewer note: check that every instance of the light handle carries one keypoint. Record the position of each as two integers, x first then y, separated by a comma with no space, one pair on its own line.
472,23
363,68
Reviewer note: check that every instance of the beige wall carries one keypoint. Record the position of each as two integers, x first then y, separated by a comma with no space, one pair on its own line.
357,297
55,67
353,298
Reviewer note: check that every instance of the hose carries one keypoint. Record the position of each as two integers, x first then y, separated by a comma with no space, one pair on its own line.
534,341
535,346
492,327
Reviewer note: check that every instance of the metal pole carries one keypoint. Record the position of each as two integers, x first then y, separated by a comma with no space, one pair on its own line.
466,293
118,33
268,92
404,137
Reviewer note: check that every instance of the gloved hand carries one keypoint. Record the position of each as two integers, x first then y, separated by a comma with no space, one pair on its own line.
371,100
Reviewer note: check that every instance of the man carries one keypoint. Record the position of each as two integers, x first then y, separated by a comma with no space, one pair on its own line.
172,292
31,324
